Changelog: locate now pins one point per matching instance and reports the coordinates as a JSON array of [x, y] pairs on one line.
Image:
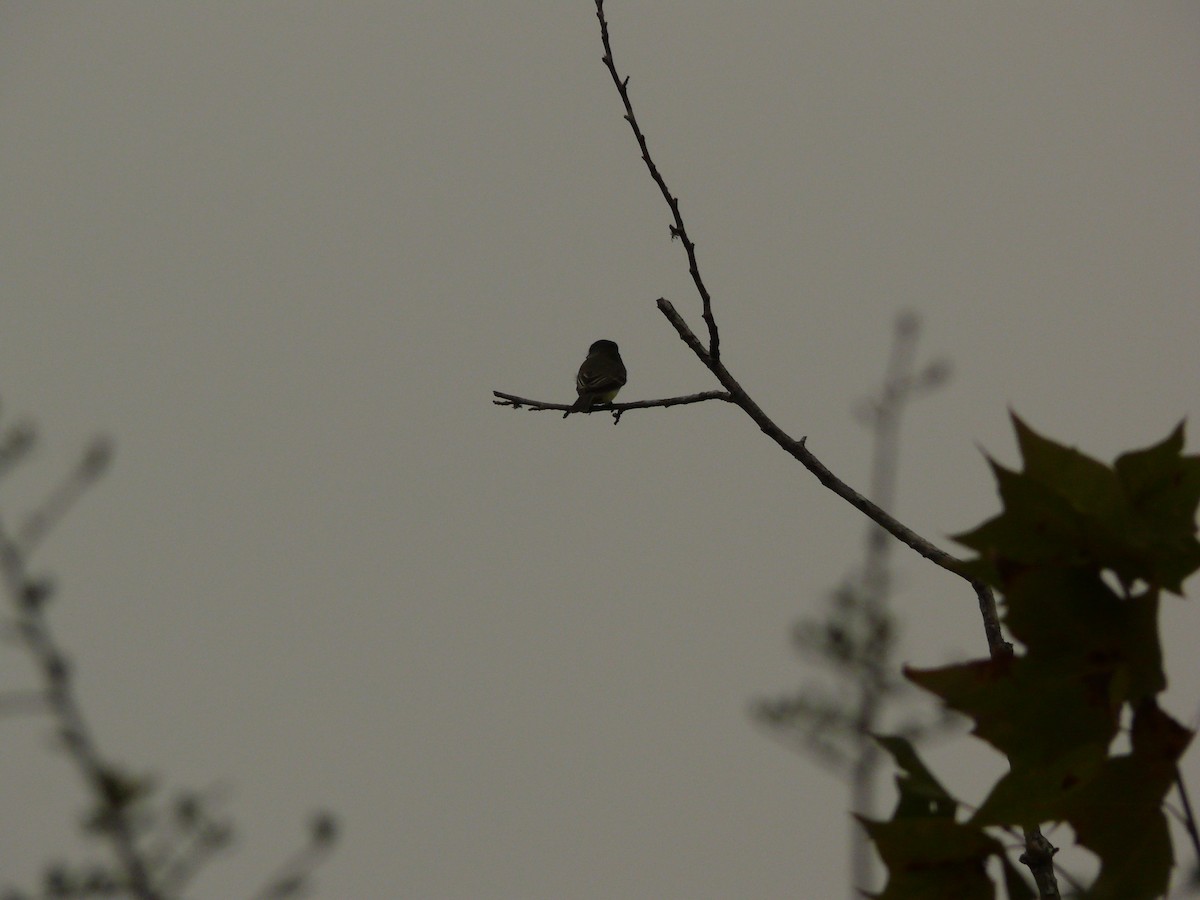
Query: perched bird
[[600, 377]]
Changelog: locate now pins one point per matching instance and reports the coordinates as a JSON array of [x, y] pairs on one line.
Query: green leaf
[[1160, 482], [1030, 794], [1087, 485], [1162, 490], [920, 793], [1089, 648], [1065, 613], [1029, 711], [1119, 815], [933, 859], [1136, 519]]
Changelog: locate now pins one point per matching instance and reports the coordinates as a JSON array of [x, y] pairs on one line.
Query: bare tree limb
[[678, 229], [797, 449], [29, 596], [15, 444], [618, 409], [711, 358], [739, 396]]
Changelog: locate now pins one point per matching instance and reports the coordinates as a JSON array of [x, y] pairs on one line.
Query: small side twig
[[292, 878], [190, 837], [15, 444], [29, 597]]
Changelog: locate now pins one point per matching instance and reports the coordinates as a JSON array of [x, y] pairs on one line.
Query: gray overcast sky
[[282, 253]]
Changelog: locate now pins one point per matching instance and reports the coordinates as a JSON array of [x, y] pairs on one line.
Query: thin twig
[[28, 597], [678, 229], [75, 732], [40, 522], [293, 876], [15, 445], [537, 405]]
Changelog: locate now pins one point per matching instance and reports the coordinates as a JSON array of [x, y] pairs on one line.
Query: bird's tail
[[583, 404]]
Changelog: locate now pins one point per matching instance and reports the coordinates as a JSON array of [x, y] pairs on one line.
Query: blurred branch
[[15, 445], [292, 878], [29, 596], [158, 848], [857, 635], [192, 836], [41, 521]]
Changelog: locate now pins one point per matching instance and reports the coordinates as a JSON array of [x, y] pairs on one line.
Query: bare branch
[[28, 598], [678, 229], [710, 356], [16, 444], [618, 409], [804, 456], [39, 523], [293, 877]]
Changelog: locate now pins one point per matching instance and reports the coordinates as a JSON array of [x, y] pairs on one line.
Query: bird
[[600, 377]]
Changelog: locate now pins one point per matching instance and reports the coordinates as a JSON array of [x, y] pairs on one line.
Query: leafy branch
[[1089, 651]]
